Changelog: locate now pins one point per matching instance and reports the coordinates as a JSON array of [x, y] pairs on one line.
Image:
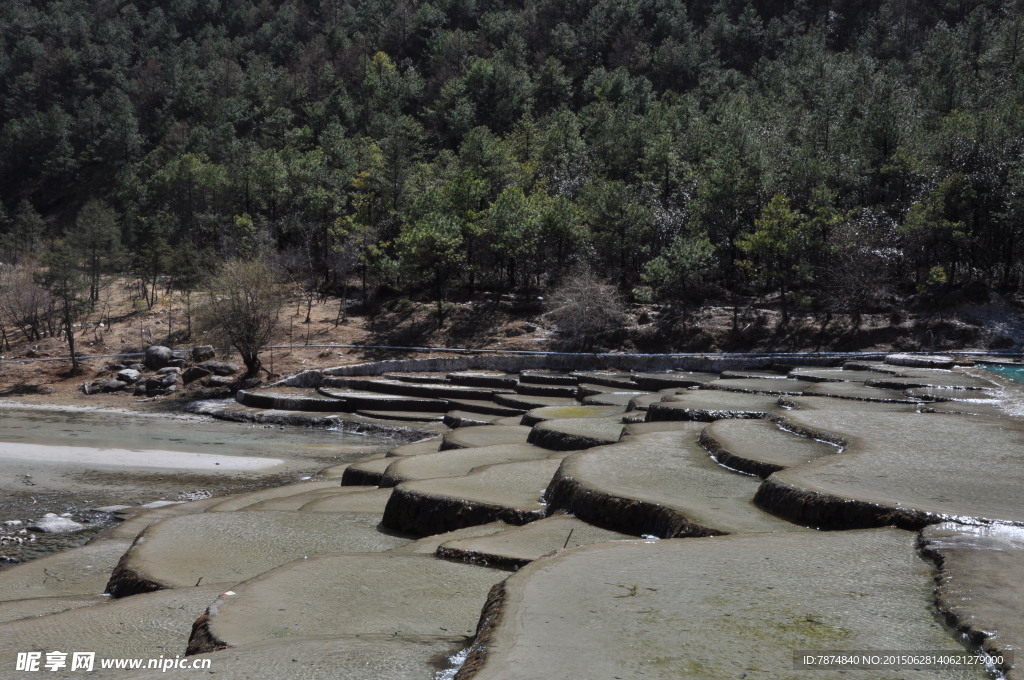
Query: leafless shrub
[[582, 306], [859, 281], [24, 304], [243, 308]]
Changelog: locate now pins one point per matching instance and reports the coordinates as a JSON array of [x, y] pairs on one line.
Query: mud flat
[[722, 607], [907, 469]]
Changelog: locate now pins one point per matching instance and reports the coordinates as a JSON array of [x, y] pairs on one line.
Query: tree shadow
[[24, 390]]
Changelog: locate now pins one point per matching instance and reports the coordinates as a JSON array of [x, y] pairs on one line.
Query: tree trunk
[[252, 364], [70, 334], [782, 305]]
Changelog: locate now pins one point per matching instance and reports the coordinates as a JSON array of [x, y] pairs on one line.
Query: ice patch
[[455, 662]]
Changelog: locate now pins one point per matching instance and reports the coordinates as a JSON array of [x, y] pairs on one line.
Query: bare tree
[[582, 306], [24, 304], [67, 287], [243, 308]]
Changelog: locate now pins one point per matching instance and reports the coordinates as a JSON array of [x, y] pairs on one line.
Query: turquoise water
[[1015, 373]]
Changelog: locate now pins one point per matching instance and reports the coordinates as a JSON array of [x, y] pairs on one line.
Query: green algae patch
[[711, 608]]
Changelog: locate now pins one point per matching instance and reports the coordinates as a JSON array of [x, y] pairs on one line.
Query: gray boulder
[[98, 386], [169, 369], [112, 385], [158, 356], [220, 367], [202, 353], [128, 375], [218, 381], [195, 373], [51, 523]]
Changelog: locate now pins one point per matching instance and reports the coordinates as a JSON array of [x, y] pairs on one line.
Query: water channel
[[72, 461]]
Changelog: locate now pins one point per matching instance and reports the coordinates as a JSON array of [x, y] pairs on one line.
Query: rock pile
[[163, 371]]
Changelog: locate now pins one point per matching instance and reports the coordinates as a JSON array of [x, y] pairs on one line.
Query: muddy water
[[71, 461]]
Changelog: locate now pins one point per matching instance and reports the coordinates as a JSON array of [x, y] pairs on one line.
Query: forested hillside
[[834, 153]]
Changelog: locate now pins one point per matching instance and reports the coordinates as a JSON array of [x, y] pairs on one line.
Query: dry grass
[[120, 324]]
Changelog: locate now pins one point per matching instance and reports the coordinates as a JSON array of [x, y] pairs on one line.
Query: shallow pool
[[1015, 373]]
